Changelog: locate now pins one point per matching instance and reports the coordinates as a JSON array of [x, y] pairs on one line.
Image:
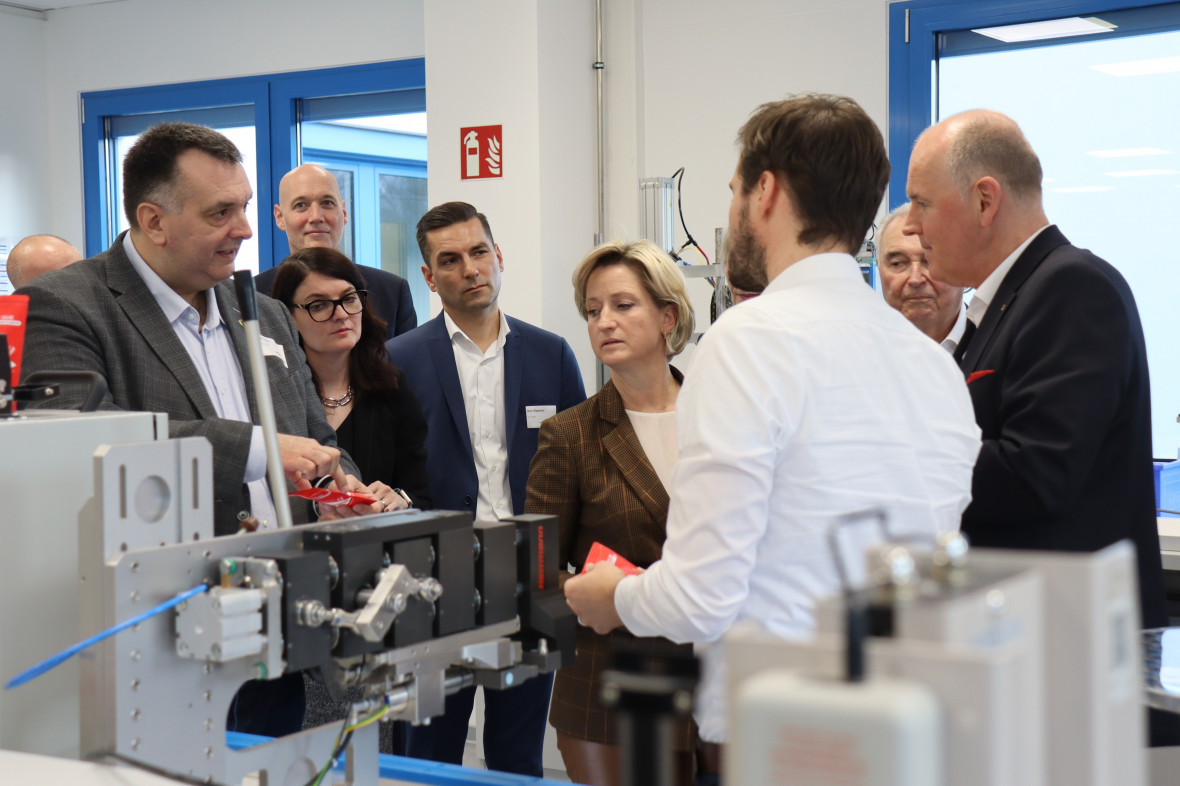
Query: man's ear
[[426, 274], [279, 219], [986, 195], [151, 222]]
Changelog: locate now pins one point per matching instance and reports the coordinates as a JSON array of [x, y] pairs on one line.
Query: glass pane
[[403, 201], [344, 179], [375, 145], [242, 136], [1099, 115]]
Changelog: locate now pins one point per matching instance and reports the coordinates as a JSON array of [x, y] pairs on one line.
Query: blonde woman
[[602, 468]]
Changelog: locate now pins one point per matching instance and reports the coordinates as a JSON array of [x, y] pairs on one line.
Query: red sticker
[[481, 152]]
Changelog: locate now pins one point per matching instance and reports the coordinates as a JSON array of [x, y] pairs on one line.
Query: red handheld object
[[600, 553], [334, 497]]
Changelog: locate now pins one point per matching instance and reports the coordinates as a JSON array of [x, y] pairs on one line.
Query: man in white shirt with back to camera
[[933, 307], [812, 401]]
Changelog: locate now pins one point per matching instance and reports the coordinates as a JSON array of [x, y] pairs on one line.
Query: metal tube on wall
[[599, 67]]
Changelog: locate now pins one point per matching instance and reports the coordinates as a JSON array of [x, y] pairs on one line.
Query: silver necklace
[[343, 401]]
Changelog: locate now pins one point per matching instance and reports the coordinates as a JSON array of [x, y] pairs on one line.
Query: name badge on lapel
[[272, 348], [535, 414]]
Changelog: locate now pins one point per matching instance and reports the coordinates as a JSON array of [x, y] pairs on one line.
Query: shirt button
[[486, 434], [494, 468]]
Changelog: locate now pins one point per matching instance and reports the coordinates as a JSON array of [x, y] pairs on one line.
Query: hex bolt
[[134, 654], [135, 714], [135, 744]]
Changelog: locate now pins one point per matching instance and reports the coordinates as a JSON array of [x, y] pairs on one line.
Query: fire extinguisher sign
[[481, 152]]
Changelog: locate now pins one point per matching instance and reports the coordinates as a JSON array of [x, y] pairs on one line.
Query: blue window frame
[[273, 101], [914, 34]]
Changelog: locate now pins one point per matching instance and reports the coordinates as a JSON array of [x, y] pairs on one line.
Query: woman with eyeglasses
[[376, 415]]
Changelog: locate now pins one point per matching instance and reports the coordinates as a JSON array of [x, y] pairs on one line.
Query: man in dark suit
[[486, 381], [156, 317], [312, 213], [1054, 355]]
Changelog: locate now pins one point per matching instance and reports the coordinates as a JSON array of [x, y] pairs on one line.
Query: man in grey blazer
[[156, 316]]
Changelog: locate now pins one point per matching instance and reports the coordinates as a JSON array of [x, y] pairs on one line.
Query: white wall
[[24, 151], [707, 65]]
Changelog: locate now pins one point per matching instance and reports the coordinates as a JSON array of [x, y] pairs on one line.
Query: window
[[1093, 107], [272, 119]]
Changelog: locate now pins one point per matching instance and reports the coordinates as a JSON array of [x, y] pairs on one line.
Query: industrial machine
[[978, 668], [407, 606]]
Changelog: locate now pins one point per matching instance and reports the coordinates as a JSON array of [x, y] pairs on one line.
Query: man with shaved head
[[38, 254], [1053, 355], [312, 213], [931, 306]]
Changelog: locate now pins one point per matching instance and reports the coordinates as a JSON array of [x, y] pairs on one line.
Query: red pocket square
[[977, 374]]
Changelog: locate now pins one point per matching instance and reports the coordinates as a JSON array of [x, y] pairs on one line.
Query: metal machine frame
[[410, 606]]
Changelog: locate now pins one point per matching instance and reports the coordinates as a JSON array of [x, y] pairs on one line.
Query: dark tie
[[961, 350]]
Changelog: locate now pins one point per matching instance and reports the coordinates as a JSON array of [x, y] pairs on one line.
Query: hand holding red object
[[334, 497], [600, 553]]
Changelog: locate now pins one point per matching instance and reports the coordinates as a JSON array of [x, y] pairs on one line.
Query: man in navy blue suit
[[486, 381], [1053, 354], [312, 213]]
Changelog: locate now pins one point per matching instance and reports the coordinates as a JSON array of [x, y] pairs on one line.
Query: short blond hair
[[660, 276]]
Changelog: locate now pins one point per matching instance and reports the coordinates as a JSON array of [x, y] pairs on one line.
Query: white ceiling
[[48, 5]]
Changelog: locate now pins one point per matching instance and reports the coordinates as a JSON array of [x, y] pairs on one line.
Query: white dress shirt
[[951, 342], [656, 432], [985, 293], [811, 401], [481, 376], [212, 352]]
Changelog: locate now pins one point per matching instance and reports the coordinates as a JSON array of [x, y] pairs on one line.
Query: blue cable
[[65, 655]]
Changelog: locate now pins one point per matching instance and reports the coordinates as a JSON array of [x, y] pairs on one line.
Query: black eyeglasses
[[322, 310]]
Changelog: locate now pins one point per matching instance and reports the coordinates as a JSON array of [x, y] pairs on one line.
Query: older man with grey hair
[[933, 307]]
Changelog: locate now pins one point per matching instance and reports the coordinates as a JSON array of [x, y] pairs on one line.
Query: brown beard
[[745, 257]]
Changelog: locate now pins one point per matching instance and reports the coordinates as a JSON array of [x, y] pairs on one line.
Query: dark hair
[[369, 369], [832, 157], [149, 170], [445, 215]]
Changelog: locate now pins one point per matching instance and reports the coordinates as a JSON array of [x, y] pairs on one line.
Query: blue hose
[[65, 655]]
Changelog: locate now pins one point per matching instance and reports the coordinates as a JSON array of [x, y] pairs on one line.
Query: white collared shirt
[[810, 402], [985, 293], [481, 376], [216, 362], [951, 342]]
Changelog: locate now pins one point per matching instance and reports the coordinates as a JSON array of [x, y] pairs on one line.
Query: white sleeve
[[732, 421]]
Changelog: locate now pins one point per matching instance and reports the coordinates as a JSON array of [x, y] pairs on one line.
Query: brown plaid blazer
[[591, 472]]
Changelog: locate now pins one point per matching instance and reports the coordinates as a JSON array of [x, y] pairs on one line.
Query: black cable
[[155, 769], [678, 176]]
